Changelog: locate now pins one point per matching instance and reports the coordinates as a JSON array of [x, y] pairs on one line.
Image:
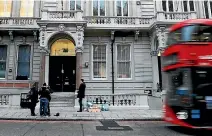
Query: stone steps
[[62, 99]]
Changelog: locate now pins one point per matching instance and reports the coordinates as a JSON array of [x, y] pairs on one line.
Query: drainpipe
[[116, 34], [112, 61]]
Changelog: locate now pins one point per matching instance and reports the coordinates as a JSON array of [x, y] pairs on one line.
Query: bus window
[[191, 33]]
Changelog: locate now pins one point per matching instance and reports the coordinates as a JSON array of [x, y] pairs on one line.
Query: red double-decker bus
[[187, 62]]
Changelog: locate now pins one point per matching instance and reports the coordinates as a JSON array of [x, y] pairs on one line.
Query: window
[[173, 6], [123, 61], [24, 55], [99, 61], [99, 8], [122, 7], [27, 8], [167, 6], [5, 8], [191, 33], [75, 5], [3, 60]]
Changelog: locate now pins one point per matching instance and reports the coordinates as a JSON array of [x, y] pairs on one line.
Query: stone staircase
[[62, 99]]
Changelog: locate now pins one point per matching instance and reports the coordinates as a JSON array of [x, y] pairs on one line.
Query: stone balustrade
[[98, 22], [73, 15], [18, 22], [137, 22], [117, 22], [120, 100], [173, 17], [4, 99]]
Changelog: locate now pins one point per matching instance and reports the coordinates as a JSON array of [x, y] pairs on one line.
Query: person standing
[[44, 95], [81, 93], [33, 97]]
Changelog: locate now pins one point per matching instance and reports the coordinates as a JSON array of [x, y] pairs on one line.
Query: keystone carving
[[61, 27]]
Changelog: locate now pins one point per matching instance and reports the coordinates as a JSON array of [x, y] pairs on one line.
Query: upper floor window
[[24, 57], [27, 8], [167, 5], [99, 61], [122, 7], [173, 6], [188, 5], [5, 8], [123, 61], [3, 60], [208, 8], [75, 5], [99, 8]]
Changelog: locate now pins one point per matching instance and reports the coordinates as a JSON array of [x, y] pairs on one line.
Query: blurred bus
[[187, 61]]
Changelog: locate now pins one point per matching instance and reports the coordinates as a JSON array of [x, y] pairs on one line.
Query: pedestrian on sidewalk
[[44, 95], [33, 97], [81, 93], [49, 98]]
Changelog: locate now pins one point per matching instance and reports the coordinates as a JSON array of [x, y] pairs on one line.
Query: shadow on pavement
[[188, 131]]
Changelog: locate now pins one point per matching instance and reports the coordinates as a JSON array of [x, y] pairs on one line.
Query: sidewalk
[[70, 114]]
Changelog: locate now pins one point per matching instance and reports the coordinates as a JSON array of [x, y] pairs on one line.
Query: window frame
[[75, 4], [6, 5], [6, 61], [27, 10], [122, 10], [131, 67], [99, 8], [92, 61], [174, 8], [31, 59], [198, 26], [188, 6], [209, 6]]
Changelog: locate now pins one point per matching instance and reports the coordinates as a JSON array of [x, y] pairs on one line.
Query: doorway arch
[[62, 65], [63, 47]]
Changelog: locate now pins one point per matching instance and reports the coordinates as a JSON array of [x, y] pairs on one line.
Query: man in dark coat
[[33, 96], [81, 93]]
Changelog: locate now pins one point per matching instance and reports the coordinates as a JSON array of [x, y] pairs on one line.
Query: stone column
[[79, 50], [161, 32]]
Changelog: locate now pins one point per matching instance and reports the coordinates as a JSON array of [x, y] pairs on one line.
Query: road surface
[[89, 128]]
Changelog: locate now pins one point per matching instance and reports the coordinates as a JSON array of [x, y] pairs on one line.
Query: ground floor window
[[24, 54], [99, 61], [3, 61], [123, 61]]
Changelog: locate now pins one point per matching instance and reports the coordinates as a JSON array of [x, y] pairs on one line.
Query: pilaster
[[79, 50], [161, 32]]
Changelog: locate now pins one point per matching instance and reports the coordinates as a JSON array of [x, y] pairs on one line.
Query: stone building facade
[[61, 41]]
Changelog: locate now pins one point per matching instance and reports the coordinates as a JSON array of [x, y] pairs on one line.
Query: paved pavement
[[89, 128], [71, 114]]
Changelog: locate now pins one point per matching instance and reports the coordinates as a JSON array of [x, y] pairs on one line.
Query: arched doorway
[[62, 66]]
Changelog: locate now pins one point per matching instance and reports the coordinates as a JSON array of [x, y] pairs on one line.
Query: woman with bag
[[33, 97]]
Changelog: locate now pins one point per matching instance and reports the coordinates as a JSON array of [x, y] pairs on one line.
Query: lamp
[[86, 64]]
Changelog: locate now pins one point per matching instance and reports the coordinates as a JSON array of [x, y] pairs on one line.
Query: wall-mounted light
[[86, 64]]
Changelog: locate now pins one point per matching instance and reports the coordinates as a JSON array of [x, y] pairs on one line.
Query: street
[[89, 128]]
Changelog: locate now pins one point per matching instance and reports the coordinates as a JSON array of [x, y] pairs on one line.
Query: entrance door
[[62, 77]]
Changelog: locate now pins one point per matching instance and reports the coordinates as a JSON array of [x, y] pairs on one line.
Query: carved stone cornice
[[79, 49], [61, 27], [136, 34], [161, 32], [80, 28], [112, 35], [35, 36], [11, 35], [42, 35], [24, 40]]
